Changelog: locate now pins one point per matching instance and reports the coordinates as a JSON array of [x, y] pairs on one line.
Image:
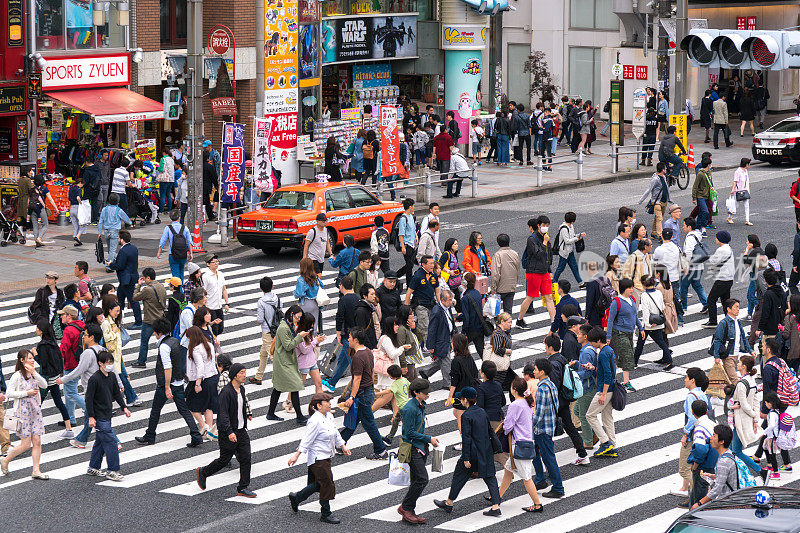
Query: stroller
[[10, 230], [140, 200]]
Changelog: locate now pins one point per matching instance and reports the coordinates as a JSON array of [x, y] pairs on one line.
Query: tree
[[542, 83]]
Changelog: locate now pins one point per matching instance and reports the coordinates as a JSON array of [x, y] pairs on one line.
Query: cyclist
[[666, 152]]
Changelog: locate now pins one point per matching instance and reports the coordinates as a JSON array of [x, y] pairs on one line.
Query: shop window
[[519, 85], [584, 73], [336, 200], [362, 198], [173, 16], [68, 24], [593, 14]]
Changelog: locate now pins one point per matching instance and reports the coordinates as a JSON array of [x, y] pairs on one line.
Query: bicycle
[[682, 178]]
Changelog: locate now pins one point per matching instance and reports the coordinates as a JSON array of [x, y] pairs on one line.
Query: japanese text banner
[[232, 161]]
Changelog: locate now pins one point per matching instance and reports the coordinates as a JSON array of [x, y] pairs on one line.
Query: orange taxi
[[291, 211]]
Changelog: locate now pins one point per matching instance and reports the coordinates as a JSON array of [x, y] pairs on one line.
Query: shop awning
[[111, 105]]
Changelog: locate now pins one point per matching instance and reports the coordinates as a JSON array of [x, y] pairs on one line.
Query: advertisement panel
[[372, 75], [367, 38], [680, 121], [145, 149], [309, 56], [262, 160], [463, 72], [390, 142], [80, 72], [232, 161], [282, 80], [463, 37]]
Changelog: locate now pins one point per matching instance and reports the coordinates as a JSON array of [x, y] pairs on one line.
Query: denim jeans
[[648, 145], [502, 149], [545, 453], [165, 196], [86, 431], [179, 397], [176, 267], [752, 299], [147, 332], [693, 279], [130, 394], [573, 265], [105, 445], [736, 448], [111, 242], [342, 364], [420, 156], [676, 162], [457, 183], [702, 213], [537, 143], [72, 398], [364, 415]]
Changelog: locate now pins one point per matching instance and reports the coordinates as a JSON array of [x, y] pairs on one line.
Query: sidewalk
[[24, 266]]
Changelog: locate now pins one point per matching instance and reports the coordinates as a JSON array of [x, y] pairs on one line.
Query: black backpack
[[277, 316], [180, 247], [80, 346]]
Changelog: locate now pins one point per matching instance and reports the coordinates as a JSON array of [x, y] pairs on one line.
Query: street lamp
[[38, 59], [138, 55]]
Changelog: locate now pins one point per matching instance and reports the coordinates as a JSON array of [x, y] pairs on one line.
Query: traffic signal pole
[[681, 31], [194, 118]]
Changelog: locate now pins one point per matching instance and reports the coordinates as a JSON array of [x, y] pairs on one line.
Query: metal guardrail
[[576, 158], [225, 216], [423, 184], [621, 151]]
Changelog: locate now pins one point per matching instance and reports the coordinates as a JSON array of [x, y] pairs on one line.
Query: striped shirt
[[544, 418]]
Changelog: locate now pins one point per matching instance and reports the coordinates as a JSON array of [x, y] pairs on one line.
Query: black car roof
[[737, 512]]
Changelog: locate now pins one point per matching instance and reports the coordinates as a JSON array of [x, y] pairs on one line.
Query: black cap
[[420, 385], [322, 217], [390, 274]]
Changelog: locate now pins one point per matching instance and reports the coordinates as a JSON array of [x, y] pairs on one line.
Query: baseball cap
[[206, 144], [69, 310], [390, 274], [175, 282], [211, 257], [467, 392], [51, 274], [575, 320]]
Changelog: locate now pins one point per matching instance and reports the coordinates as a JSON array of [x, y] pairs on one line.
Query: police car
[[780, 143]]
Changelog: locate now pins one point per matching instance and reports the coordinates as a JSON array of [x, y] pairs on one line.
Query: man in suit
[[126, 263], [441, 327]]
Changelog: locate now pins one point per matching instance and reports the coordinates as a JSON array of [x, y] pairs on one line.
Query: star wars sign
[[232, 161], [365, 38]]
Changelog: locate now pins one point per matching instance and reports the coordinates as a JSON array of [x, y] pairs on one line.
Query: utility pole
[[194, 118], [681, 31]]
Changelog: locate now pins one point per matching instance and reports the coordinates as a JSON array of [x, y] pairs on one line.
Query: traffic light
[[698, 45], [730, 49], [172, 103], [766, 49]]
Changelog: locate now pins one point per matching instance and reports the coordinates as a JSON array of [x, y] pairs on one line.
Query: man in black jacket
[[794, 277], [388, 294], [552, 345], [91, 187], [363, 315], [570, 347], [536, 260], [345, 312], [169, 369], [773, 305], [233, 437]]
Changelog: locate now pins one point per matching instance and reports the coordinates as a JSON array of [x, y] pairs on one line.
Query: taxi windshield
[[290, 200]]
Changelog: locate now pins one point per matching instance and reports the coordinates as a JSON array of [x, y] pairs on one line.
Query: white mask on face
[[109, 368], [633, 222], [544, 229]]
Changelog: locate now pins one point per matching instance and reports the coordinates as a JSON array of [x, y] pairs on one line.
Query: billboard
[[365, 38]]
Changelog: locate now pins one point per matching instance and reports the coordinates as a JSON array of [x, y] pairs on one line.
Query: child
[[702, 457], [379, 243], [729, 403], [419, 141], [307, 354], [695, 381], [476, 137], [780, 435], [399, 392]]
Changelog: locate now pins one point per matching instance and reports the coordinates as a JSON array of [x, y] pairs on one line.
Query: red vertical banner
[[751, 23], [741, 23], [390, 142]]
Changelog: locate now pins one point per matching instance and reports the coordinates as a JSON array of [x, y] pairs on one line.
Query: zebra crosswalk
[[628, 494]]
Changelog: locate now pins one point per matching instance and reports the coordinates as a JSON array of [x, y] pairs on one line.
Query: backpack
[[787, 383], [368, 151], [382, 238], [80, 346], [277, 316], [744, 478], [180, 248], [607, 293], [608, 309], [94, 291], [176, 330], [787, 434], [554, 128], [394, 239], [571, 384], [557, 241]]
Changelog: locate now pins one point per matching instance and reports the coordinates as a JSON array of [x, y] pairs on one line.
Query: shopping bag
[[84, 213], [437, 458], [717, 380], [327, 362], [351, 418], [399, 473], [322, 297], [730, 204], [556, 296], [714, 203], [482, 284], [493, 306]]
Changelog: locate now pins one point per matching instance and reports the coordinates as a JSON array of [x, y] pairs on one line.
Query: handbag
[[741, 196], [497, 446], [659, 319], [502, 362], [381, 361], [10, 421], [124, 337], [84, 213], [399, 472], [322, 297], [486, 327], [98, 251], [404, 449], [524, 449], [437, 458], [580, 245], [650, 207]]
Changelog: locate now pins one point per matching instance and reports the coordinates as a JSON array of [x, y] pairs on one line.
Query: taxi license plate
[[265, 225], [769, 151]]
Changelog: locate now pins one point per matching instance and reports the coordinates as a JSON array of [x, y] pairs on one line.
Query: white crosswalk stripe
[[647, 433]]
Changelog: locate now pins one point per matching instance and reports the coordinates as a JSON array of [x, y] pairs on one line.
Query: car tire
[[331, 238], [271, 250]]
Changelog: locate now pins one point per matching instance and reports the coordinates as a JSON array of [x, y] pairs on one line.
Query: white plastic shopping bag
[[84, 213], [399, 473], [493, 306], [730, 204]]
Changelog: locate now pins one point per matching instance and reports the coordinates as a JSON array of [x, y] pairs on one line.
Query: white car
[[780, 143]]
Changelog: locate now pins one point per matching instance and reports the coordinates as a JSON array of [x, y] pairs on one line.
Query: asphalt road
[[605, 496]]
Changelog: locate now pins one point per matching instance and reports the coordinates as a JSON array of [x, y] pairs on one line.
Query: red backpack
[[619, 306], [787, 383]]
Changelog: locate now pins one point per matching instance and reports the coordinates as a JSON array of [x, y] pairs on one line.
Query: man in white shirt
[[723, 263], [317, 243], [216, 293], [169, 370], [693, 274], [197, 299], [460, 169], [669, 255], [433, 214]]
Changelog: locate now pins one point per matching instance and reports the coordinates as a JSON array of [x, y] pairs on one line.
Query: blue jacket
[[126, 263], [472, 320], [626, 319], [726, 328], [414, 424], [346, 260], [588, 377], [111, 219], [558, 325], [303, 291], [439, 333], [606, 368], [694, 394]]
